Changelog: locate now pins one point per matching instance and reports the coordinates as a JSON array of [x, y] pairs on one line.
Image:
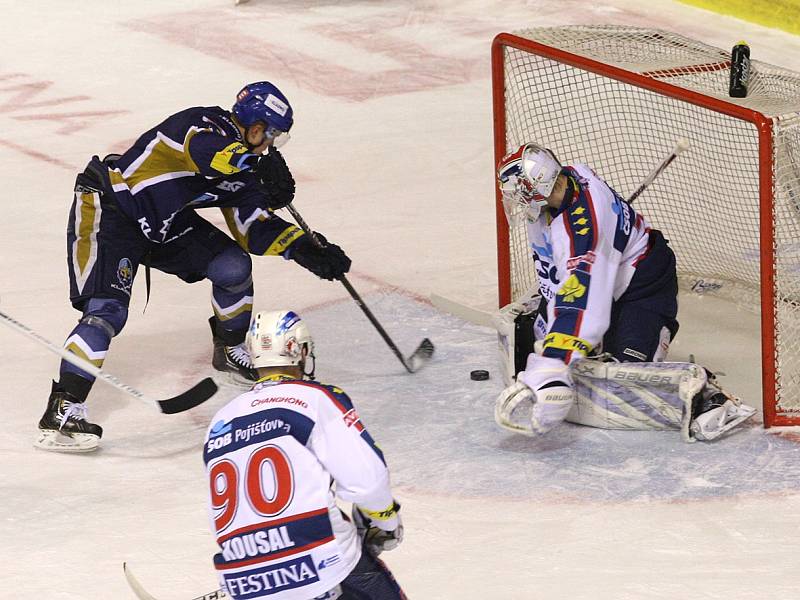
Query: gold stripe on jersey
[[87, 223], [241, 231], [234, 310], [236, 313], [284, 240], [224, 159], [240, 234], [73, 348], [162, 159], [562, 341]]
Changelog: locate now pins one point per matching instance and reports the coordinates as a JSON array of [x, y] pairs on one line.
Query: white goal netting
[[605, 104]]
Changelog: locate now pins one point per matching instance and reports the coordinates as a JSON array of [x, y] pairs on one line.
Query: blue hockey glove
[[328, 262]]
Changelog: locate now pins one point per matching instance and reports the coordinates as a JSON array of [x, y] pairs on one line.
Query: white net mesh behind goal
[[708, 202]]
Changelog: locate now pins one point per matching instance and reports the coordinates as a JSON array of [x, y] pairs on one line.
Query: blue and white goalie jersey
[[271, 455], [586, 254]]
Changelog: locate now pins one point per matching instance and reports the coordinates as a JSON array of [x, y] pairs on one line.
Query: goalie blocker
[[615, 395]]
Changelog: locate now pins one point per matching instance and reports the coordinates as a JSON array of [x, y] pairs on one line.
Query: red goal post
[[618, 98]]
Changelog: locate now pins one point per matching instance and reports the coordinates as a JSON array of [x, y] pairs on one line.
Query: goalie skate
[[713, 423]]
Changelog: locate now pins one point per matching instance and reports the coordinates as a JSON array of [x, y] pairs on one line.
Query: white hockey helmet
[[279, 338], [526, 178]]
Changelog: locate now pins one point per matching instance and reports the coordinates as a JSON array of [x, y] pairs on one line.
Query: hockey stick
[[424, 351], [462, 311], [680, 146], [142, 594], [198, 394]]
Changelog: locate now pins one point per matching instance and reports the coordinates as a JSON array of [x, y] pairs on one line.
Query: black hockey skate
[[64, 426], [232, 358]]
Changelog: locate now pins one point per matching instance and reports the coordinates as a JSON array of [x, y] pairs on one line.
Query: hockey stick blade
[[420, 357], [192, 397], [142, 594], [189, 399], [137, 588]]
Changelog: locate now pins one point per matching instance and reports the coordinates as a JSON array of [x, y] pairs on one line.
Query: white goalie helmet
[[279, 338], [526, 178]]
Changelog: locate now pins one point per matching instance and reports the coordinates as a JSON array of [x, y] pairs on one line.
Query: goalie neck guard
[[280, 339]]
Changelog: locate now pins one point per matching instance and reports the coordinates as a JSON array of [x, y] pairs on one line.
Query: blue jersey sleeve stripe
[[345, 405]]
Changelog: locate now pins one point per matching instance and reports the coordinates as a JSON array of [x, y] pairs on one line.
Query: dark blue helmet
[[262, 101]]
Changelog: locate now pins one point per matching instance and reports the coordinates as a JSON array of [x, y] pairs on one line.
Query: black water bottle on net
[[740, 70]]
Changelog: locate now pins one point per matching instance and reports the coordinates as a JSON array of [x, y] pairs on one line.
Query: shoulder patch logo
[[351, 417], [572, 289]]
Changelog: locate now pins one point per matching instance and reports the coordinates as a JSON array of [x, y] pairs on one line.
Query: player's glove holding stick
[[276, 179], [380, 530], [327, 260]]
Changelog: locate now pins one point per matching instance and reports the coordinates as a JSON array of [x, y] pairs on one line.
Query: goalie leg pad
[[518, 326], [640, 396]]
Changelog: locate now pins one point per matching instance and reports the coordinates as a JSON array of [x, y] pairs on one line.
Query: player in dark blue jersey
[[137, 209]]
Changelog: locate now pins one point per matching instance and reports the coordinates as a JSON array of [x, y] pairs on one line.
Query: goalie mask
[[526, 178], [280, 339]]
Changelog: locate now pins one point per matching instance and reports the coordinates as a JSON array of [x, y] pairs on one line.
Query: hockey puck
[[479, 375]]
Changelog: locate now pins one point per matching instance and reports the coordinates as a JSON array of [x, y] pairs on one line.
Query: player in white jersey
[[606, 284], [272, 455]]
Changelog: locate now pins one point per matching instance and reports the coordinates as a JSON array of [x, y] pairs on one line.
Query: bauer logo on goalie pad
[[648, 379]]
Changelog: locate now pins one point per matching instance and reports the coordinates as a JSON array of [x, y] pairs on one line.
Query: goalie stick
[[680, 146], [142, 594], [192, 397], [462, 311], [484, 319], [420, 357]]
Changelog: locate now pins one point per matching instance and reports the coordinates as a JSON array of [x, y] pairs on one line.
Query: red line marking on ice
[[227, 38], [36, 154]]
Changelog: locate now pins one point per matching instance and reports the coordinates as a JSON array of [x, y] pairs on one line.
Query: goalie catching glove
[[276, 180], [539, 400], [379, 530], [327, 261]]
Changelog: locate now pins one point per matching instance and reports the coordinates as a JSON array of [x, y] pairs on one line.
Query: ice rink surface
[[392, 151]]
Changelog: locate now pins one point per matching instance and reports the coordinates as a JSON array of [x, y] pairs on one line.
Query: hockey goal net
[[618, 98]]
